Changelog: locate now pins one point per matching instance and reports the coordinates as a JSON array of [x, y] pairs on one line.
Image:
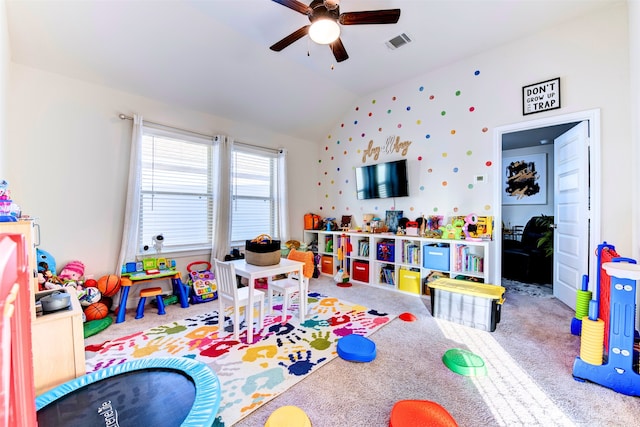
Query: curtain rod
[[211, 137]]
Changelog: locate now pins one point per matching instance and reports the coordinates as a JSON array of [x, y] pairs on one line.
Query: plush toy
[[45, 261], [72, 271]]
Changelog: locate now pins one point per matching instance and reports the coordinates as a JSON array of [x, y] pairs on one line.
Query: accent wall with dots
[[440, 127]]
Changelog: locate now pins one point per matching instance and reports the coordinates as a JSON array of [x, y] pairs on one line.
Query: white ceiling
[[213, 56]]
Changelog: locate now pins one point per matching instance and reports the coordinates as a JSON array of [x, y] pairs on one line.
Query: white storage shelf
[[403, 263]]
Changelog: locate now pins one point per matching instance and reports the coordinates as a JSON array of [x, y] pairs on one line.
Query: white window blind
[[176, 194], [254, 209]]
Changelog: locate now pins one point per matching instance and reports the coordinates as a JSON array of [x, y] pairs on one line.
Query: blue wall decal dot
[[421, 88], [455, 170], [427, 136], [338, 142], [355, 122], [470, 186], [338, 169], [408, 108], [422, 188], [476, 73]]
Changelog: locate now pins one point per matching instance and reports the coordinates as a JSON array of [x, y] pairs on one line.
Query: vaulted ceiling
[[213, 56]]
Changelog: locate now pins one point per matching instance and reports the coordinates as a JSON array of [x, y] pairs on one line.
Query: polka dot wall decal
[[338, 142], [357, 108], [487, 207], [457, 93], [362, 135], [418, 122], [470, 186], [427, 136], [342, 125], [338, 169], [355, 122], [345, 152], [469, 152], [320, 161], [332, 157], [422, 188], [435, 209], [419, 158], [421, 88], [476, 73], [326, 172], [326, 148], [340, 192], [370, 114], [485, 129], [358, 151], [488, 163], [444, 154], [443, 113], [408, 108], [453, 131], [455, 170], [399, 125], [389, 111], [455, 209], [379, 129], [326, 196], [431, 97], [319, 184], [429, 170], [350, 139], [393, 98], [411, 208], [444, 183], [373, 101], [472, 109]]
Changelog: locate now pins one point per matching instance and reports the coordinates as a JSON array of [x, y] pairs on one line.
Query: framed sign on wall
[[543, 96]]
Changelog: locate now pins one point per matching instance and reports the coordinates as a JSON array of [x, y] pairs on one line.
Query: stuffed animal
[[72, 271], [45, 261]]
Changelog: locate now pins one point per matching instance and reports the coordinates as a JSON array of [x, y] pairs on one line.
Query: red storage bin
[[326, 264], [360, 271]]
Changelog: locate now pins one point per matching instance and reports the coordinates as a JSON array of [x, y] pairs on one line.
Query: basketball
[[109, 285], [96, 311]]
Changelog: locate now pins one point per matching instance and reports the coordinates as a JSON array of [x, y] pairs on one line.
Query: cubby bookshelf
[[403, 263]]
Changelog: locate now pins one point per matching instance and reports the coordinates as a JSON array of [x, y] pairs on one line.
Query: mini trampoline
[[154, 392]]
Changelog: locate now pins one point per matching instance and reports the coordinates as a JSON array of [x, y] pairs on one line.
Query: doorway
[[515, 136]]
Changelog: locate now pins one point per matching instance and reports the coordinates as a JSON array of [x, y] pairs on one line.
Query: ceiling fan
[[324, 29]]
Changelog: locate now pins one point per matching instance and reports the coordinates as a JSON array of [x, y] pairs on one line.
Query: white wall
[[69, 161], [591, 57], [4, 83]]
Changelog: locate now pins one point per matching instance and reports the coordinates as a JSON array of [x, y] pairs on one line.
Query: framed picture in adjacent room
[[524, 180]]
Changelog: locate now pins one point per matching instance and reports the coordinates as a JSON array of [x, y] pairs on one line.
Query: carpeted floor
[[250, 375], [529, 358]]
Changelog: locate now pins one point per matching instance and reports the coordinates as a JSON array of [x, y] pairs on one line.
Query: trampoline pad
[[134, 394]]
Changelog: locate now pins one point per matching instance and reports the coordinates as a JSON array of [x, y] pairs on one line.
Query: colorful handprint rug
[[250, 375]]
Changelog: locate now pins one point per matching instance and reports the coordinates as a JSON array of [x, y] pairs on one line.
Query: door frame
[[593, 117]]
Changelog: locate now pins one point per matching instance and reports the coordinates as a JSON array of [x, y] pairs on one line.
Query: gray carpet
[[529, 359]]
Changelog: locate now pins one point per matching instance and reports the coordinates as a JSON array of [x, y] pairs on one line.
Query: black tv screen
[[382, 180]]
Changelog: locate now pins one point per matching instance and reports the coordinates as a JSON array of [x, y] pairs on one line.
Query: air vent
[[398, 41]]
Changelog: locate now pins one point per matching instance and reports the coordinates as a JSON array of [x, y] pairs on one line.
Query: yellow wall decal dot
[[453, 131], [444, 154]]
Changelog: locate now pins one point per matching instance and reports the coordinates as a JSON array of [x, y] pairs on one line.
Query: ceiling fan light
[[324, 31]]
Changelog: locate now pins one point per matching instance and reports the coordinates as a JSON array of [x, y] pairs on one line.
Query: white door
[[571, 237]]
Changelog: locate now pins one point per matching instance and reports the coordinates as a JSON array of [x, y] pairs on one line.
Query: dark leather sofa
[[523, 260]]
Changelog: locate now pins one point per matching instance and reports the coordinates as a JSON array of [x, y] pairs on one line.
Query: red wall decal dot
[[489, 163], [393, 98], [370, 114], [472, 109], [485, 129], [432, 97], [399, 125], [455, 209], [357, 108], [419, 158]]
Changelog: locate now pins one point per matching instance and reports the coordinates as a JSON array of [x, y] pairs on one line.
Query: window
[[254, 199], [177, 194]]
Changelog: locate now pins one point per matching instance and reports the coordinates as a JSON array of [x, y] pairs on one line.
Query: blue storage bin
[[436, 257]]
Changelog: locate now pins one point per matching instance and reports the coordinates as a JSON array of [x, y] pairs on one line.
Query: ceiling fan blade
[[295, 5], [295, 36], [388, 16], [338, 50]]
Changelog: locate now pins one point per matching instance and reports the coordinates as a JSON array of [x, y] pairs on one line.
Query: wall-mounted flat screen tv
[[382, 180]]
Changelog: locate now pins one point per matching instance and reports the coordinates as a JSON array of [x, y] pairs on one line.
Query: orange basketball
[[109, 285], [96, 311]]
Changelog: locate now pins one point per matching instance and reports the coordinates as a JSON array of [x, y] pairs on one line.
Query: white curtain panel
[[223, 147], [129, 245], [283, 202]]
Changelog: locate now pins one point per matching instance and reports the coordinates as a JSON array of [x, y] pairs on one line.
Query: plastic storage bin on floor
[[420, 413], [468, 303], [356, 348]]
